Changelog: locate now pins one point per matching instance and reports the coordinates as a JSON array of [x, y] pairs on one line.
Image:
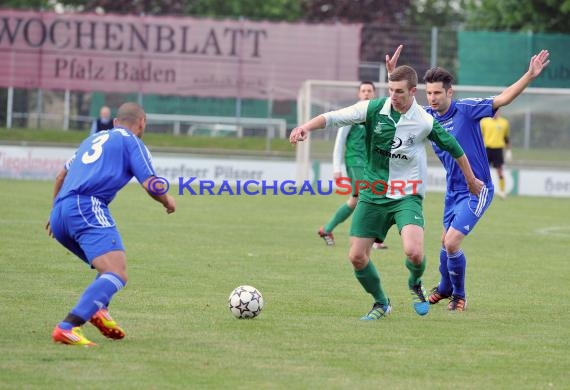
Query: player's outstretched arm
[[342, 117], [338, 150], [59, 181], [56, 187], [301, 133], [475, 185], [167, 201], [537, 63]]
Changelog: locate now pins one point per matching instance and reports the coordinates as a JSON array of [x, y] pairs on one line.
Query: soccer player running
[[462, 210], [397, 129], [80, 219], [349, 144]]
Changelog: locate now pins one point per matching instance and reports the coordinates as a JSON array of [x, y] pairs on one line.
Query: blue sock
[[456, 265], [65, 325], [444, 288], [97, 295]]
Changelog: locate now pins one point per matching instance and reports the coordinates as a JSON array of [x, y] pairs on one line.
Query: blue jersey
[[104, 163], [462, 121]]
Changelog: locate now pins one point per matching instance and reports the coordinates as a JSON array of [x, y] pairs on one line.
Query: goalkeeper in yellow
[[496, 137]]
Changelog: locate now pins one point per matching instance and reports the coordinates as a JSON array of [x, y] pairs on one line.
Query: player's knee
[[358, 259], [123, 275], [114, 262], [451, 246], [120, 273], [415, 255], [352, 202]]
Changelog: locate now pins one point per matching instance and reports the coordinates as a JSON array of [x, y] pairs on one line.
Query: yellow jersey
[[495, 132]]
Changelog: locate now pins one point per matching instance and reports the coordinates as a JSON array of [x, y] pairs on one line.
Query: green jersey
[[350, 146], [355, 155], [395, 145]]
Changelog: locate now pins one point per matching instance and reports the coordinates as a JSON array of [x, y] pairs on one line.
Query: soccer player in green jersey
[[350, 145], [397, 130]]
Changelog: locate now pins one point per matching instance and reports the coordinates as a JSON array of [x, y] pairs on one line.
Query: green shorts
[[354, 173], [373, 220]]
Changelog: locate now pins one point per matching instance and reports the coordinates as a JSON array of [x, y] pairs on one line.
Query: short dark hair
[[437, 74], [129, 113], [367, 82], [406, 73]]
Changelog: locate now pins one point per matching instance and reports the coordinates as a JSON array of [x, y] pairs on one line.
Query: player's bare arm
[[167, 201], [475, 185], [537, 63], [56, 187], [300, 133], [392, 62], [59, 181]]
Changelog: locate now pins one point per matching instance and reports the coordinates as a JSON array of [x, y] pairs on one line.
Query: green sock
[[416, 272], [369, 278], [341, 214]]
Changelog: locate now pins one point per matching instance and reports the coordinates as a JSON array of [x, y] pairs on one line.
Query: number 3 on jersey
[[96, 149]]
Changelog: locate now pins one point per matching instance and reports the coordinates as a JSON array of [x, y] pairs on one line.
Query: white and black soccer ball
[[245, 302]]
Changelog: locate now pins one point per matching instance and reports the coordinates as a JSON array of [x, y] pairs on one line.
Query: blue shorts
[[84, 225], [463, 210]]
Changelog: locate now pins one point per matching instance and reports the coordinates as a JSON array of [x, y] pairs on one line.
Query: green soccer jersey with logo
[[395, 146]]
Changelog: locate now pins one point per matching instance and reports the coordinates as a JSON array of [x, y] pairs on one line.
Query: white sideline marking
[[555, 231]]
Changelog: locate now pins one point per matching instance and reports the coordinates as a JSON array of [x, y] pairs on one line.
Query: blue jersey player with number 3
[[462, 210], [80, 219]]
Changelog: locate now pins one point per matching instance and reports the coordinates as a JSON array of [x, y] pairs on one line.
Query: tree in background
[[279, 10], [447, 16], [30, 4], [548, 16], [385, 25]]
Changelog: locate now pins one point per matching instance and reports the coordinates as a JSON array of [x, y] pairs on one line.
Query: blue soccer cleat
[[378, 311]]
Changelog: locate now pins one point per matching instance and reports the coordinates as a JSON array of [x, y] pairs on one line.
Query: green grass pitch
[[182, 267]]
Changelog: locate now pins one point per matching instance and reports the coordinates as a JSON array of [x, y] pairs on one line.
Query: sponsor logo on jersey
[[396, 143], [387, 153]]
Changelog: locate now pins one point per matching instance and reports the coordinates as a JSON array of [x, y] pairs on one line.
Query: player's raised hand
[[391, 63], [298, 134], [538, 62]]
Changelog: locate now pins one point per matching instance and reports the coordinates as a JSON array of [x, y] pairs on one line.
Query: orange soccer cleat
[[106, 325], [71, 337]]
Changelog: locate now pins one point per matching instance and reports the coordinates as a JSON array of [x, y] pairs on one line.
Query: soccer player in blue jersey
[[463, 210], [80, 219]]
